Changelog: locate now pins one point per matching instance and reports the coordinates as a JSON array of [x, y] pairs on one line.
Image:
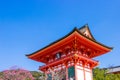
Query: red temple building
[[71, 57]]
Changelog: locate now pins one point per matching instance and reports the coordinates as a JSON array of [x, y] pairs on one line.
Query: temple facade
[[71, 57]]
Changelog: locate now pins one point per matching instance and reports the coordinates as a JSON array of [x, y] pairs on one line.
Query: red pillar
[[66, 72]]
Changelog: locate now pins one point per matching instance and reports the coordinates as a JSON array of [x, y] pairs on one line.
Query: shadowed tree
[[38, 75]]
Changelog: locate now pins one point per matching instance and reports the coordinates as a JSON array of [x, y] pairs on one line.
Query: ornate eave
[[73, 59]]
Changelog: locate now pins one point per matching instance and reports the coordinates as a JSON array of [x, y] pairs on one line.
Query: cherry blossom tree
[[16, 74]]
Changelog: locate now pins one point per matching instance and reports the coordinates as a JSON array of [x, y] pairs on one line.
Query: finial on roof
[[86, 31], [86, 25]]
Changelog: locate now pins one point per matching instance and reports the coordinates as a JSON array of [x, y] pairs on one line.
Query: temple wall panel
[[87, 69], [88, 74], [79, 73], [83, 73]]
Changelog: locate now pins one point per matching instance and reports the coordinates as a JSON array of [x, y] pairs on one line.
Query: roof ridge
[[84, 26]]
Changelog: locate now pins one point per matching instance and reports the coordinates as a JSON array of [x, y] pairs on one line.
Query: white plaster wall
[[79, 73], [86, 69], [88, 74]]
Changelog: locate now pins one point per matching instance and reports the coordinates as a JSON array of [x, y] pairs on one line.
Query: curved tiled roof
[[81, 32]]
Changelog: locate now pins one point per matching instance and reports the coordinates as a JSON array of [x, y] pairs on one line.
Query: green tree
[[1, 75], [102, 74], [99, 74], [38, 75]]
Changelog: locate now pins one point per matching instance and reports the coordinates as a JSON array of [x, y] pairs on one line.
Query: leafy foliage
[[38, 75], [101, 74], [1, 75]]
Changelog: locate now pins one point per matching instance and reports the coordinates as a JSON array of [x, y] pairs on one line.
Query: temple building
[[113, 70], [71, 57]]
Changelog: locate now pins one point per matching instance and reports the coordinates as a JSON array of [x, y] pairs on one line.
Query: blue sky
[[28, 25]]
